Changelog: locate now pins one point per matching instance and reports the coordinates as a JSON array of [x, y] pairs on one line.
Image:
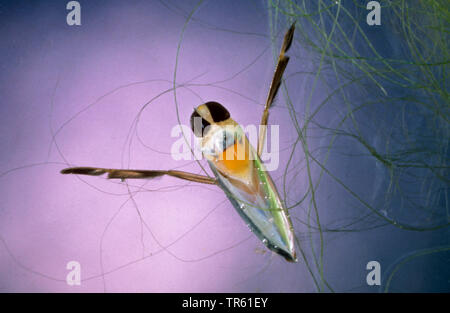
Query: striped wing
[[255, 198]]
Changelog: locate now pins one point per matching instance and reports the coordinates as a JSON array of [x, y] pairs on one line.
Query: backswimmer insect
[[236, 165]]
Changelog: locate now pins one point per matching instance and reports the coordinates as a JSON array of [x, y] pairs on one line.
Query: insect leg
[[275, 85], [138, 174]]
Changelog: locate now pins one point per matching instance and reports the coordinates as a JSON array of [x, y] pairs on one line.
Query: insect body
[[237, 168], [243, 177]]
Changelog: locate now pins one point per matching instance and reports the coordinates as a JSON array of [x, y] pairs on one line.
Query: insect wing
[[258, 203]]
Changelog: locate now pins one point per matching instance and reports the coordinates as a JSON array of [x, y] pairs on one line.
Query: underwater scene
[[356, 148]]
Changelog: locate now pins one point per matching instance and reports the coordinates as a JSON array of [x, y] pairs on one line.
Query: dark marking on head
[[199, 124], [217, 111]]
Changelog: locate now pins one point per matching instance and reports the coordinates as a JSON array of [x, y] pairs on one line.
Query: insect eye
[[217, 111], [198, 124]]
